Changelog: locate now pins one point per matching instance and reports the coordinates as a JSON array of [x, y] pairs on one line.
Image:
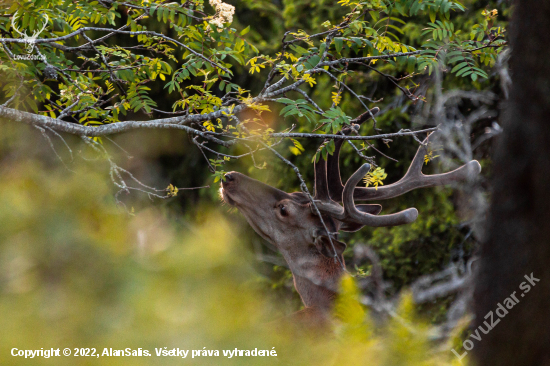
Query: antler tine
[[414, 178], [335, 186], [328, 185], [352, 214], [321, 188], [334, 182]]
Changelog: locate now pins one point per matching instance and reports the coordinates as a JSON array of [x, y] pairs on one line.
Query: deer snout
[[228, 180]]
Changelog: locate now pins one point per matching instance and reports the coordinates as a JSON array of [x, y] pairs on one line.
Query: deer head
[[289, 222], [29, 40]]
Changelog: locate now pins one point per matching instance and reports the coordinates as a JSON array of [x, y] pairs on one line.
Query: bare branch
[[352, 137]]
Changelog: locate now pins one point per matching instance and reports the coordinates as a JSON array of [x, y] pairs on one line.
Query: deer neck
[[316, 277]]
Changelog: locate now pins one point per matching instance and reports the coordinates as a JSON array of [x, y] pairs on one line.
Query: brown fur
[[316, 276]]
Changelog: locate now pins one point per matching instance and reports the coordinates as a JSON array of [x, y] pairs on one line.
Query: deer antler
[[414, 178], [329, 189]]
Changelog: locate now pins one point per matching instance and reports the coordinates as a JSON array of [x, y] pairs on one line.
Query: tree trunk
[[518, 236]]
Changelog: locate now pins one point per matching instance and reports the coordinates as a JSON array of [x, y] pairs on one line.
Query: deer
[[310, 246]]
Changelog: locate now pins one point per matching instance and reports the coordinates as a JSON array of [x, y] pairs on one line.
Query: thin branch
[[62, 140], [112, 76], [381, 153], [65, 112], [210, 167], [319, 110], [405, 91], [133, 6], [351, 137], [369, 58], [354, 94], [43, 132]]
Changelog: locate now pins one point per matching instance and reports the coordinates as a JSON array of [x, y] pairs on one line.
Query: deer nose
[[229, 178]]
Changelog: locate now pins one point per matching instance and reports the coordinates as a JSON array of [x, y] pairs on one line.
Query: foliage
[[118, 73], [298, 108], [102, 83], [375, 177], [335, 119]]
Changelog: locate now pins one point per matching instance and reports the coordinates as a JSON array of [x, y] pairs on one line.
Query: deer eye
[[283, 210]]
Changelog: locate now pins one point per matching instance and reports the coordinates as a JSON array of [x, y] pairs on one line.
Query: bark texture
[[518, 237]]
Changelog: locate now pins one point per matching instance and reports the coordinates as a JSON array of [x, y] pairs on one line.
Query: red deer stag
[[288, 221]]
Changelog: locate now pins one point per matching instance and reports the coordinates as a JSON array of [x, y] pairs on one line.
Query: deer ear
[[370, 209], [322, 243]]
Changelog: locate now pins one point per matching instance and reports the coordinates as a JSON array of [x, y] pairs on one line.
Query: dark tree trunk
[[518, 237]]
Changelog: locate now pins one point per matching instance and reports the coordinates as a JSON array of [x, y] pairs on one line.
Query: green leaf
[[314, 60], [339, 44], [396, 28], [459, 66], [455, 59], [374, 15], [331, 147], [464, 71], [432, 15], [415, 7], [285, 100], [245, 31], [287, 109]]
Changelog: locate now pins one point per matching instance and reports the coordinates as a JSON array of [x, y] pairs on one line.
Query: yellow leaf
[[336, 98], [375, 177]]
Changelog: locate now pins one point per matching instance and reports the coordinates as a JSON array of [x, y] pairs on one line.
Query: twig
[[43, 132], [352, 137]]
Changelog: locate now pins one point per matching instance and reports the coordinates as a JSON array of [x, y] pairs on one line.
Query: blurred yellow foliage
[[76, 271]]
